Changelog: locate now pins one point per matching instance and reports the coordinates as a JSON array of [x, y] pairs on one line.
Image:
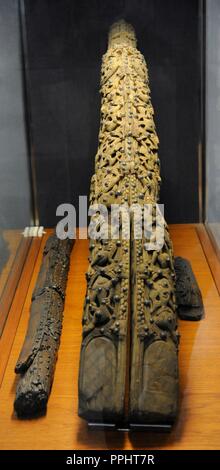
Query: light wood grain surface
[[198, 425]]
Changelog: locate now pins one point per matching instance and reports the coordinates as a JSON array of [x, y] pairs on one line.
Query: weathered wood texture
[[38, 356], [188, 295]]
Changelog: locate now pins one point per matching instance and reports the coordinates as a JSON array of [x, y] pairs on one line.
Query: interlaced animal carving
[[125, 278]]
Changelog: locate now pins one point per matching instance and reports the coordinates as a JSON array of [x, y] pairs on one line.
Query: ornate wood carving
[[36, 363], [127, 170]]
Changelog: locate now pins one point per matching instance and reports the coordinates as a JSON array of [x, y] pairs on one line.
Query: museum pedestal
[[197, 426]]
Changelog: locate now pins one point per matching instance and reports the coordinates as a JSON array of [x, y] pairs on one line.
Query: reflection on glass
[[15, 211], [213, 118]]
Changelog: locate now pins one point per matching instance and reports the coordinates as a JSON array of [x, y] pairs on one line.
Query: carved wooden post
[[123, 272]]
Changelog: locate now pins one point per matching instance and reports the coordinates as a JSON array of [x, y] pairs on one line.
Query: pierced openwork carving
[[124, 274]]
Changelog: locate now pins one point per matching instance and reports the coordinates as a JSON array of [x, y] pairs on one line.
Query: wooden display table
[[198, 425]]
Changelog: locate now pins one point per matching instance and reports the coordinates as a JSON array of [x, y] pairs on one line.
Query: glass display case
[[15, 179], [212, 123], [50, 68]]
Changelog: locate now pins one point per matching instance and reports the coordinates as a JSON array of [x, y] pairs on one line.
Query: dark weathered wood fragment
[[37, 359], [188, 295]]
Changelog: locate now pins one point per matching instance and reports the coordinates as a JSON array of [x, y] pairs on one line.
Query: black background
[[65, 43]]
